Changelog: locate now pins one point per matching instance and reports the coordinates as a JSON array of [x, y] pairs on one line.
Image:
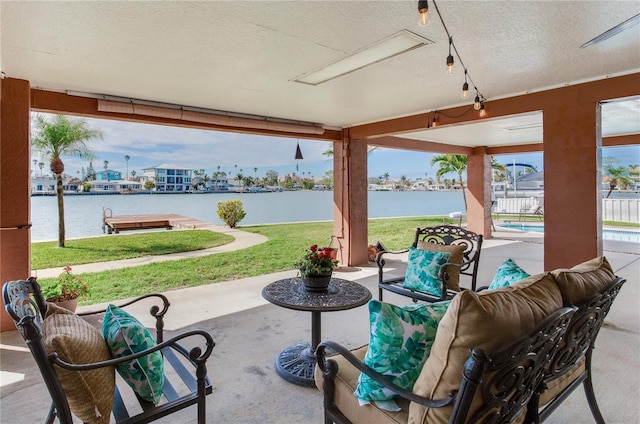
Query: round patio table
[[296, 363]]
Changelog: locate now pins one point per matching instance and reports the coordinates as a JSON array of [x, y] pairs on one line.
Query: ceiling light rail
[[114, 104], [424, 19]]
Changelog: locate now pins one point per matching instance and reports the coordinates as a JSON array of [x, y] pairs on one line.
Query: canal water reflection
[[83, 213]]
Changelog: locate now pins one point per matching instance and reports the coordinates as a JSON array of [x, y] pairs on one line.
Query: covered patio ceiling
[[243, 57]]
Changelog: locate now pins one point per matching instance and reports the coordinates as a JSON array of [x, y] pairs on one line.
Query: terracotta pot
[[69, 304], [317, 283]]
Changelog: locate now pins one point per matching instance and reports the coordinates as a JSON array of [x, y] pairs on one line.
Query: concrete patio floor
[[250, 332]]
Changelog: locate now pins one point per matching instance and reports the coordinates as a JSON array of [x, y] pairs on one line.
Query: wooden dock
[[114, 224]]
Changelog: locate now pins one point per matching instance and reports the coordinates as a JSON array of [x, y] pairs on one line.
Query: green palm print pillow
[[508, 273], [423, 269], [126, 335], [400, 341]]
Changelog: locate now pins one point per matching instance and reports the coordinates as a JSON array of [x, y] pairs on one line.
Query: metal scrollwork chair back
[[448, 235]]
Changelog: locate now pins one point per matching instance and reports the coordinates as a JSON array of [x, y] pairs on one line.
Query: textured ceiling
[[242, 56]]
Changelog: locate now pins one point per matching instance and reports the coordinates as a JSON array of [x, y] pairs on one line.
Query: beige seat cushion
[[346, 381], [488, 320], [559, 384], [89, 393], [584, 280], [457, 257]]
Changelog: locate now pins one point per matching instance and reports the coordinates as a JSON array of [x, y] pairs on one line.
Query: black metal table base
[[296, 364]]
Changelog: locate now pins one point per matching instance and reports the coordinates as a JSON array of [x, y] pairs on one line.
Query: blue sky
[[149, 145]]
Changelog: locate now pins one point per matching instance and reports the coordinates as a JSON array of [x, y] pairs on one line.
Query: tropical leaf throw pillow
[[126, 335], [508, 273], [400, 341], [423, 268]]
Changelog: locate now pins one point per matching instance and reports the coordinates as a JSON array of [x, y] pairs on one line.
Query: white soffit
[[517, 129], [619, 117]]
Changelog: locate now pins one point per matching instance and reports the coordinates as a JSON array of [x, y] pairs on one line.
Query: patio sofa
[[498, 327]]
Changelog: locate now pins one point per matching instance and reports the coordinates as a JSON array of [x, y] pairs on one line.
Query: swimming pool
[[614, 234]]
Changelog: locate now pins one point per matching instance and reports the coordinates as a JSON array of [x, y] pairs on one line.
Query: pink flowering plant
[[67, 287], [317, 260]]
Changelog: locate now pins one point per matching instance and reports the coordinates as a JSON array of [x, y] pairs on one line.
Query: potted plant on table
[[66, 290], [316, 267]]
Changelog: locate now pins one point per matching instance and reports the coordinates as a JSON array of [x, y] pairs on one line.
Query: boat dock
[[114, 224]]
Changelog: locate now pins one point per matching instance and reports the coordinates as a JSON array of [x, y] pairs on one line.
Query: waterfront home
[[43, 185], [218, 184], [168, 178], [115, 186], [72, 184], [108, 175], [46, 185]]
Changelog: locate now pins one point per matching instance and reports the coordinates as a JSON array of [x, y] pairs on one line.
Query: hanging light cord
[[455, 49], [432, 116]]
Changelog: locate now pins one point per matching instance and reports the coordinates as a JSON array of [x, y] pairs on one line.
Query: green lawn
[[287, 243], [111, 248]]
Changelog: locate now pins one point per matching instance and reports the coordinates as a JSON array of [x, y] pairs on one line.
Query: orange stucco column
[[15, 203], [572, 182], [479, 192], [350, 200]]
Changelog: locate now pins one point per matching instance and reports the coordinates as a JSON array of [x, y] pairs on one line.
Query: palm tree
[[40, 165], [126, 158], [62, 136], [133, 175], [240, 177], [617, 175], [106, 164], [452, 163]]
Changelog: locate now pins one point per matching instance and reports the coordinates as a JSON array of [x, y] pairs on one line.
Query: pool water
[[607, 233]]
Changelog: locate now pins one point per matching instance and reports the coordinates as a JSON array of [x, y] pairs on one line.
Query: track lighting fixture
[[483, 112], [425, 17], [450, 58]]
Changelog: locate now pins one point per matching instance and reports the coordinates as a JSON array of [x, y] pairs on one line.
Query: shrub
[[231, 212]]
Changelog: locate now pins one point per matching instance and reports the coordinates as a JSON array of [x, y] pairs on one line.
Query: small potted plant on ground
[[316, 267], [66, 291]]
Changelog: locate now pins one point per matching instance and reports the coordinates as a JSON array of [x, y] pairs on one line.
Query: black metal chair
[[492, 374], [25, 304], [443, 235], [577, 346]]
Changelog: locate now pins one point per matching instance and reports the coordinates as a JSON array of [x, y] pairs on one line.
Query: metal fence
[[621, 210]]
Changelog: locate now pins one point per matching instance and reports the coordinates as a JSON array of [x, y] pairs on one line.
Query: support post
[[572, 181], [350, 200], [15, 181], [479, 192]]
